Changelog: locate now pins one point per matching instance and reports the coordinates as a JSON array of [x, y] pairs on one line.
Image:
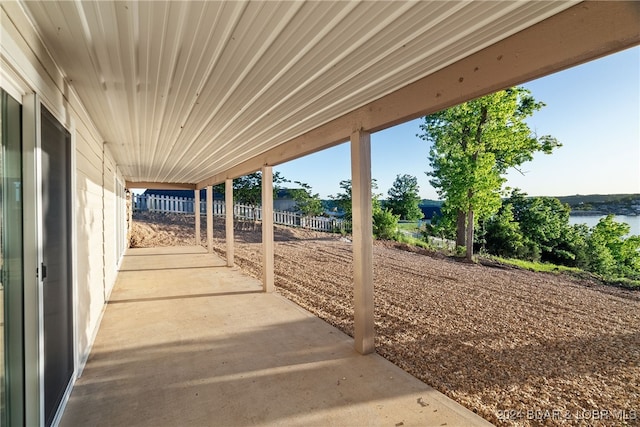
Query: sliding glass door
[[56, 267], [11, 265]]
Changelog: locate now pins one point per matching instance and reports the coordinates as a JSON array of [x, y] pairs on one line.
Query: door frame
[[32, 219], [14, 310]]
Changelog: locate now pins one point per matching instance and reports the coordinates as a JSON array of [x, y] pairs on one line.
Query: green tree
[[537, 228], [544, 223], [610, 253], [385, 223], [247, 190], [403, 198], [474, 144], [307, 203], [343, 200], [442, 224], [573, 246], [502, 233]]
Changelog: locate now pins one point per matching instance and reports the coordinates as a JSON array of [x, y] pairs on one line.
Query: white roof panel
[[185, 90]]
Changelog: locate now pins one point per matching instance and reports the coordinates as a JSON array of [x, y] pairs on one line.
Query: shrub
[[385, 224], [502, 234]]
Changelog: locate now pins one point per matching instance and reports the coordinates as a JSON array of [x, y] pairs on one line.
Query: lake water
[[633, 221]]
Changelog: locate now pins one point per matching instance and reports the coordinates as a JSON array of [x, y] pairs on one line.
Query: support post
[[267, 230], [362, 242], [196, 210], [210, 219], [228, 202]]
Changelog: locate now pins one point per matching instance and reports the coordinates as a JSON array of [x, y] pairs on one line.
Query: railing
[[183, 205]]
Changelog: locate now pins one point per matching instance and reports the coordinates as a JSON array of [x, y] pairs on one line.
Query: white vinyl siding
[[24, 56]]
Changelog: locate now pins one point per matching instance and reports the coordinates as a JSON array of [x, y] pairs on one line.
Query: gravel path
[[501, 341]]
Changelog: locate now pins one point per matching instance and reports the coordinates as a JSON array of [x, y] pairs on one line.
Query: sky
[[592, 109]]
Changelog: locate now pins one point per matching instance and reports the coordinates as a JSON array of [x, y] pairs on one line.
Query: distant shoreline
[[601, 213]]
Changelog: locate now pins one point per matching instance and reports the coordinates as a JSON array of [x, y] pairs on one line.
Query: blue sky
[[593, 109]]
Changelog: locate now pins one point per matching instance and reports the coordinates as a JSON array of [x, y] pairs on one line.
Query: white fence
[[153, 203]]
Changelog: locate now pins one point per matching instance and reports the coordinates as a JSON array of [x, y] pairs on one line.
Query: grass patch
[[411, 227], [623, 282], [541, 267], [410, 240]]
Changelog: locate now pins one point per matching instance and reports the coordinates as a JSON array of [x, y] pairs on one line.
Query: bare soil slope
[[500, 341]]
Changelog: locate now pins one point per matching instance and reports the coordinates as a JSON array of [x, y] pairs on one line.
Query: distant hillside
[[430, 208], [603, 204], [589, 204], [579, 199], [430, 202]]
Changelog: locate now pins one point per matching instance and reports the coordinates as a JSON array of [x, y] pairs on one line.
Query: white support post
[[228, 202], [210, 219], [362, 242], [196, 210], [267, 230]]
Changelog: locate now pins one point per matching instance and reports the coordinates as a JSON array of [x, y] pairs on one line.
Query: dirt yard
[[518, 348]]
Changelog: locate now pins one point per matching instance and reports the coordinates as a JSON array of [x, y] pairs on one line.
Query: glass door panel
[[56, 270], [11, 264]]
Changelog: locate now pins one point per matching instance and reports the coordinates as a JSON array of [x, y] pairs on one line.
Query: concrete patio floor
[[187, 341]]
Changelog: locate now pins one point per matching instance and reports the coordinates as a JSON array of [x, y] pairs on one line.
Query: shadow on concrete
[[124, 270], [170, 351], [173, 297]]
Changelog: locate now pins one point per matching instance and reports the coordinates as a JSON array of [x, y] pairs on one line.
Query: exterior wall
[[89, 219], [110, 241], [28, 68]]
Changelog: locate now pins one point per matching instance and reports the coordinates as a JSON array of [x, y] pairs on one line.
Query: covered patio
[[112, 96], [186, 340]]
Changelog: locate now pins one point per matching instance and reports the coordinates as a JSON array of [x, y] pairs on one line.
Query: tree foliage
[[344, 200], [307, 203], [385, 224], [503, 235], [474, 144], [610, 253], [538, 229], [404, 199], [544, 223], [247, 189]]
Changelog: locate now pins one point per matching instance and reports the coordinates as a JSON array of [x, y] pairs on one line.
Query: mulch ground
[[516, 347]]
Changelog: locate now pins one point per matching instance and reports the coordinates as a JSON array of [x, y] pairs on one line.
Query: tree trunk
[[460, 228], [470, 235]]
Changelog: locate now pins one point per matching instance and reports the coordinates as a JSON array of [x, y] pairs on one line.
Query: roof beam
[[160, 185], [579, 34]]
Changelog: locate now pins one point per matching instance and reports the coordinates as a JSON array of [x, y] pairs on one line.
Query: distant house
[[283, 201]]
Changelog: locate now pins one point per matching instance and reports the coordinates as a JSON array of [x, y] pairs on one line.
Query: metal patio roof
[[185, 91]]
